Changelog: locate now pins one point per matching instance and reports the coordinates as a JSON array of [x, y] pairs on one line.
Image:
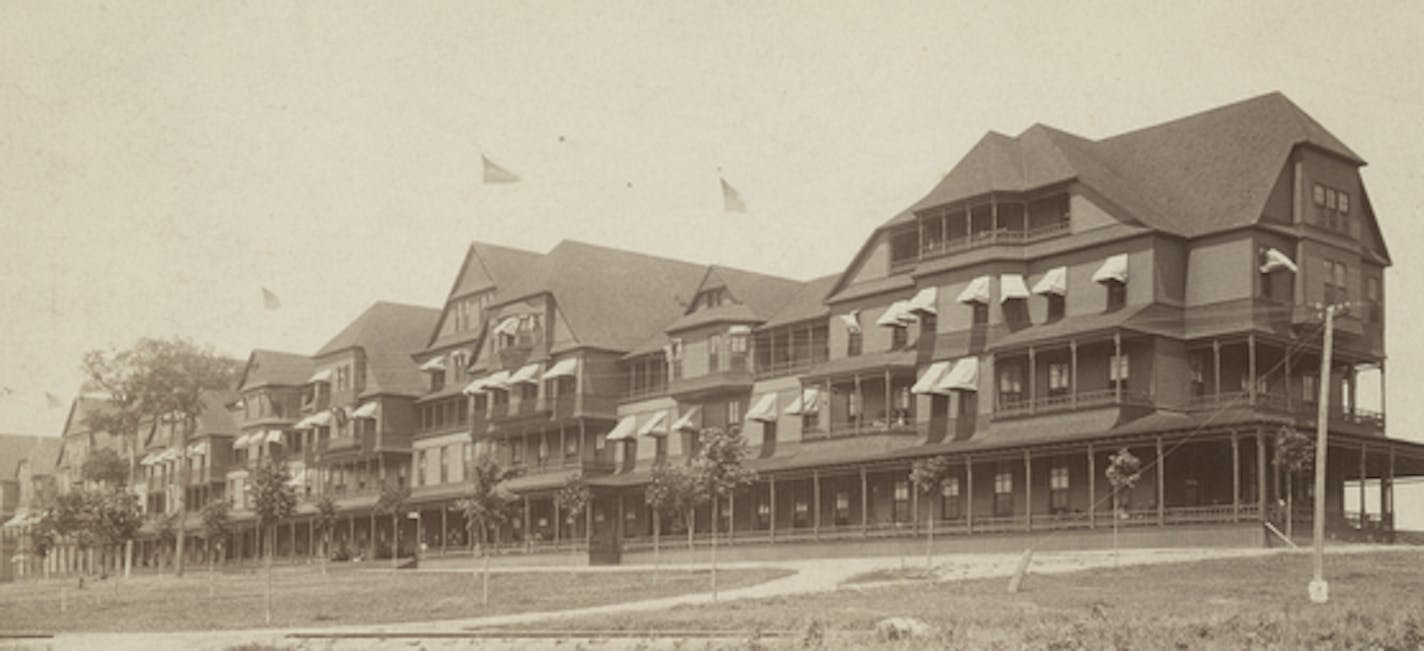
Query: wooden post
[[888, 410], [915, 509], [1117, 356], [731, 515], [1161, 486], [1028, 491], [1364, 474], [1290, 395], [864, 504], [1251, 371], [1032, 379], [1073, 372], [1092, 490], [771, 480], [1216, 368], [444, 527], [558, 515], [528, 529], [1260, 474], [1235, 477], [816, 504], [860, 404], [969, 493], [1387, 495]]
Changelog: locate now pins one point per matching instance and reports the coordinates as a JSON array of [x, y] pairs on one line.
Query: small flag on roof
[[269, 300], [496, 174], [731, 199]]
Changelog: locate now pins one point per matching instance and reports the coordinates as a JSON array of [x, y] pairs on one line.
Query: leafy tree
[[166, 526], [929, 476], [104, 467], [572, 500], [273, 499], [719, 469], [215, 527], [111, 373], [1123, 471], [673, 491], [325, 523], [159, 380], [487, 505], [394, 500], [1295, 453], [75, 519], [116, 520]]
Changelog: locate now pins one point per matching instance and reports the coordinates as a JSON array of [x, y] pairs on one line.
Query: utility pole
[[1320, 590]]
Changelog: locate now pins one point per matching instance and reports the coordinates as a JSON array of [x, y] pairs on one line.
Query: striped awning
[[436, 363], [626, 428], [656, 425], [1114, 269], [930, 378], [764, 410]]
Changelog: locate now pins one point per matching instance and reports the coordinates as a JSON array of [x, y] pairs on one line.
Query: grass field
[[348, 595], [1377, 601]]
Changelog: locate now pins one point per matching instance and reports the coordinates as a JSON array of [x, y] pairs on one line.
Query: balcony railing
[[986, 238], [845, 429], [789, 366], [1282, 403], [1062, 402]]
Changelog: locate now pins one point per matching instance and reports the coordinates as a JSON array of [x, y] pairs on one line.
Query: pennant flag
[[269, 300], [497, 174], [731, 199], [52, 401]]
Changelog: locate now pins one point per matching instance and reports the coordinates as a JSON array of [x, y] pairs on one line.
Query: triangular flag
[[497, 174], [731, 199], [269, 300], [53, 401]]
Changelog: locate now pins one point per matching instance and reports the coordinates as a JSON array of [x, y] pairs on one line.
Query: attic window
[[710, 298]]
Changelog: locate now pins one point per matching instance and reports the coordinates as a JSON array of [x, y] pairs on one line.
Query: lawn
[[348, 595], [1377, 601]]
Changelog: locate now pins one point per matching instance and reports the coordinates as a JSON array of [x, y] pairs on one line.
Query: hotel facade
[[1052, 300]]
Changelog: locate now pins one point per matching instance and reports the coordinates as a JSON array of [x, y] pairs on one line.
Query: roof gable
[[388, 333], [272, 367]]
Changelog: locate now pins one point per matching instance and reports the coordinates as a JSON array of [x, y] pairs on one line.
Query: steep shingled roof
[[485, 267], [40, 451], [1157, 174], [611, 299], [809, 302], [388, 333], [272, 367]]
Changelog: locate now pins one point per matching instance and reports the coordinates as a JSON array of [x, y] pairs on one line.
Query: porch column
[[887, 400], [1117, 355], [1216, 368], [1290, 395], [351, 530], [1235, 477], [860, 404], [1384, 413], [771, 526], [558, 514], [816, 504], [1161, 486], [1028, 491], [1073, 371], [311, 538], [864, 503], [1387, 495], [915, 508], [1092, 489], [1032, 380], [732, 515], [969, 493], [1353, 378], [1251, 368], [1364, 473], [588, 521], [371, 540], [528, 531], [444, 526]]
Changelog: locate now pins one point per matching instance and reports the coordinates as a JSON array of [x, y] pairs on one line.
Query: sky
[[161, 163]]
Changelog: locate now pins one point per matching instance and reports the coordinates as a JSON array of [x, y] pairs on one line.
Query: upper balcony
[[980, 223], [735, 379]]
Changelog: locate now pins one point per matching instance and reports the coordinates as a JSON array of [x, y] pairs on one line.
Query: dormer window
[[1113, 276], [710, 298]]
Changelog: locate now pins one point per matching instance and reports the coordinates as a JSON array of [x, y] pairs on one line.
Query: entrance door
[[605, 545]]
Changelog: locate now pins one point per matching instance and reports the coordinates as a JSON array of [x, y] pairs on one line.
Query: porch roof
[[895, 360], [1153, 319]]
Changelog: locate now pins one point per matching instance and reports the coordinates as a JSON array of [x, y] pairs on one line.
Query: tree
[[116, 520], [75, 516], [166, 526], [1123, 471], [273, 499], [159, 380], [215, 527], [325, 523], [720, 469], [487, 505], [673, 491], [104, 467], [394, 500], [572, 501], [1295, 452], [41, 534], [929, 476]]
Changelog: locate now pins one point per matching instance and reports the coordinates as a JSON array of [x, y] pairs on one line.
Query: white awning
[[1114, 269], [764, 410], [319, 419], [529, 373], [323, 375], [238, 442], [739, 330], [686, 421], [930, 378], [1277, 261], [274, 436], [924, 300], [478, 386], [564, 368], [151, 457], [976, 292], [370, 409], [1012, 286], [627, 428], [897, 315], [201, 447], [963, 377], [498, 381], [851, 320], [808, 401], [1053, 282], [436, 363], [655, 426], [508, 326]]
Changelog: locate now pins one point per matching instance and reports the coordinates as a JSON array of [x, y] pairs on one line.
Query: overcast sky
[[160, 163]]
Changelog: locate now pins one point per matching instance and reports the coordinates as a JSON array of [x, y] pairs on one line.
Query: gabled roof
[[271, 367], [388, 333], [611, 299], [79, 411], [1204, 173], [809, 302], [764, 294], [485, 267], [40, 451]]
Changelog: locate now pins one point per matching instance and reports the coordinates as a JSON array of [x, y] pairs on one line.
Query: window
[[739, 343], [1056, 307], [714, 352], [710, 298], [445, 464], [853, 404], [543, 449], [764, 514], [842, 507], [901, 510], [1117, 295], [1011, 383], [1059, 378], [1003, 493], [516, 452], [902, 401], [1372, 300], [420, 468], [949, 498], [571, 445], [660, 447], [854, 341], [899, 336], [1336, 289], [734, 412], [810, 420], [1058, 488], [437, 380], [1196, 374], [1318, 193], [1310, 388], [981, 313], [1118, 368], [801, 513], [1332, 207]]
